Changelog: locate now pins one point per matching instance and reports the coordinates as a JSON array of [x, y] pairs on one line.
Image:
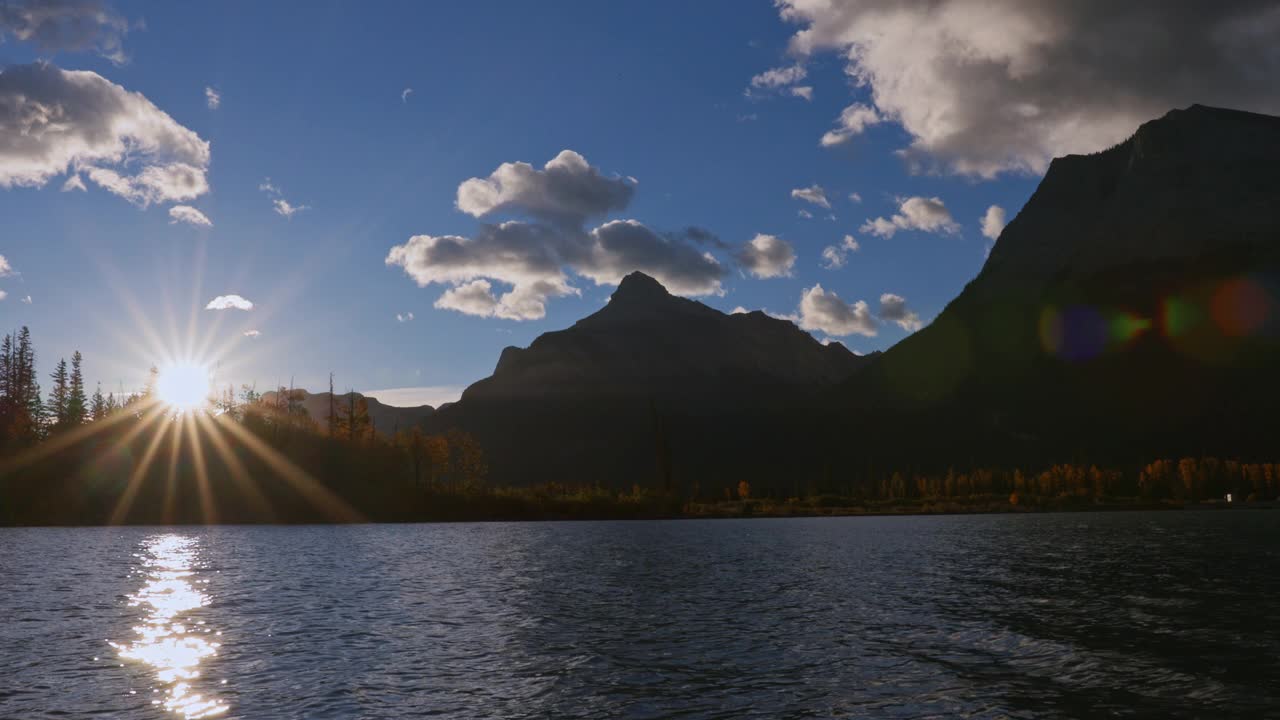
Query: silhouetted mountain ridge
[[647, 341]]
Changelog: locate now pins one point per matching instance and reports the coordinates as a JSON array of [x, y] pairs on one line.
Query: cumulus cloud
[[189, 215], [405, 93], [3, 294], [65, 25], [536, 258], [801, 91], [229, 302], [58, 120], [853, 121], [914, 213], [27, 300], [767, 256], [824, 311], [855, 197], [739, 310], [404, 317], [812, 194], [993, 222], [74, 183], [987, 86], [565, 192], [212, 98], [835, 256], [5, 268], [893, 308], [252, 333]]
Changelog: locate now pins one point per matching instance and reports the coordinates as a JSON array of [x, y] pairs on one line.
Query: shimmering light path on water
[[1038, 616]]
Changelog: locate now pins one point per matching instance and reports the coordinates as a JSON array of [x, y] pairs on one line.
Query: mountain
[[1128, 311], [648, 375], [646, 341], [386, 418]]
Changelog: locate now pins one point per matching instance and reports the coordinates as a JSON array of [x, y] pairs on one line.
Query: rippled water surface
[[1078, 615]]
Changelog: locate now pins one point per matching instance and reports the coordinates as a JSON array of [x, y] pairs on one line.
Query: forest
[[71, 457]]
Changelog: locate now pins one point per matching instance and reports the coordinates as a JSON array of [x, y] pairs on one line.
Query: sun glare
[[183, 386]]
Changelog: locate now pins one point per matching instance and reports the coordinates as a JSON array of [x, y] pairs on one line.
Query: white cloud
[[433, 395], [3, 294], [158, 183], [74, 120], [837, 255], [229, 302], [783, 80], [404, 317], [189, 215], [855, 197], [804, 214], [779, 77], [27, 300], [812, 194], [5, 268], [853, 121], [993, 222], [212, 98], [988, 86], [282, 207], [739, 310], [65, 25], [893, 308], [74, 183], [825, 312], [536, 258], [405, 93], [914, 213], [565, 192], [767, 256], [252, 333]]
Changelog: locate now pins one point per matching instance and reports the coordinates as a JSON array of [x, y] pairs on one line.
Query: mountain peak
[[638, 287]]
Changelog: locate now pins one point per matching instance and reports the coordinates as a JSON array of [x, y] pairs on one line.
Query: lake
[[1171, 614]]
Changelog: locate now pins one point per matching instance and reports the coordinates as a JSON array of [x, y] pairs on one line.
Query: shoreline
[[791, 514]]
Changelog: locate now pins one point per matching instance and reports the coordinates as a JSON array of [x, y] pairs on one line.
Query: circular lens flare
[[183, 386]]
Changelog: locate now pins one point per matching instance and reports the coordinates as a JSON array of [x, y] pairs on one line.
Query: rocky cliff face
[[1131, 307], [1197, 182]]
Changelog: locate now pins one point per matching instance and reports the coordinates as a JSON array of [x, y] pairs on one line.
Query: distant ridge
[[387, 419]]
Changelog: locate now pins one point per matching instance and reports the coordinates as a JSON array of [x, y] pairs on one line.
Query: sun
[[183, 386]]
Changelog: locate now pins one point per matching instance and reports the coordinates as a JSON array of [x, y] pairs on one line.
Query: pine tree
[[57, 406], [77, 403], [30, 411], [98, 407]]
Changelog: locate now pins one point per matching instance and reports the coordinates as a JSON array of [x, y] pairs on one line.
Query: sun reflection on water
[[173, 648]]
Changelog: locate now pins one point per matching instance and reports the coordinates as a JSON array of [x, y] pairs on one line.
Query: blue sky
[[311, 98]]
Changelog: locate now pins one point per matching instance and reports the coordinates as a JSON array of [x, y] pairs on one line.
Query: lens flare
[[1075, 333], [1240, 307]]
